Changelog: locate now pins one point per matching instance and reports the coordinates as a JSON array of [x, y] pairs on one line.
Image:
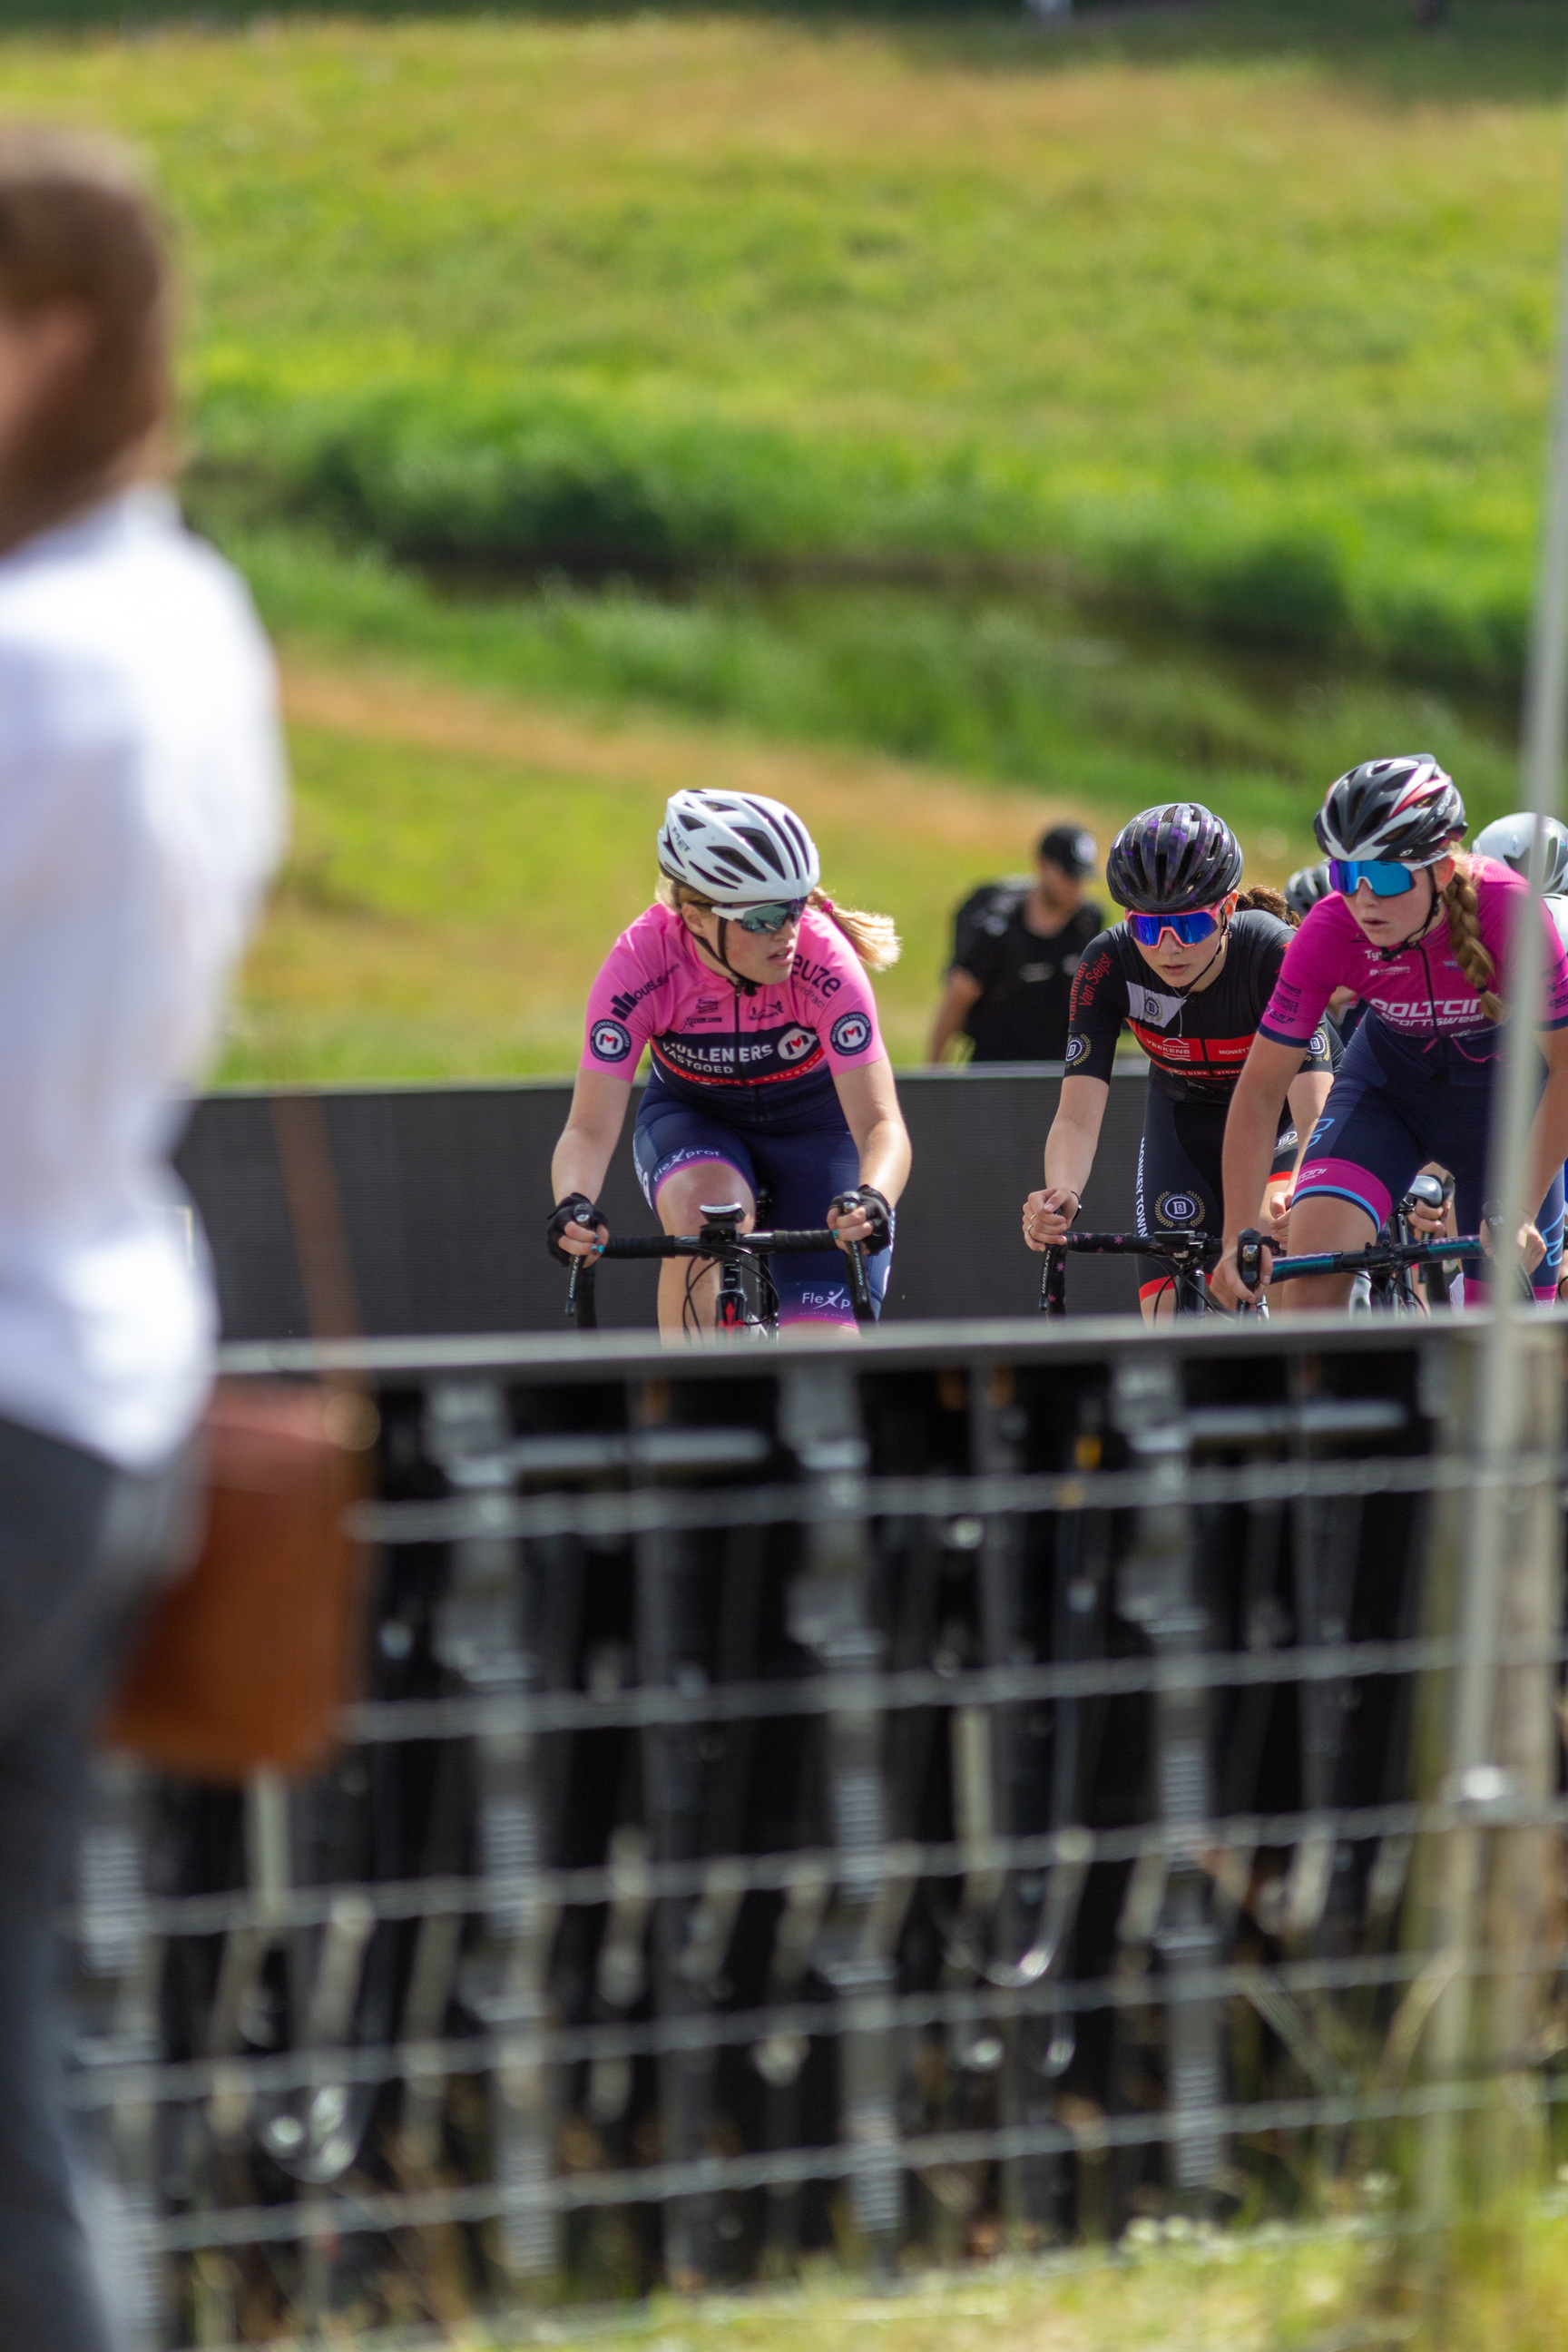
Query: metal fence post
[[1156, 1590], [484, 1639], [829, 1612]]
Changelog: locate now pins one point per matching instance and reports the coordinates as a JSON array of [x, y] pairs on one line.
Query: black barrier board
[[444, 1191]]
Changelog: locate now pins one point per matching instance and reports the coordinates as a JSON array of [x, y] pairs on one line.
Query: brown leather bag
[[246, 1660]]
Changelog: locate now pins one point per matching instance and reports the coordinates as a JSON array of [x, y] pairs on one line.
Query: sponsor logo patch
[[795, 1043], [1077, 1048], [1321, 1130], [1153, 1005], [1177, 1208], [610, 1041], [1318, 1044], [850, 1034]]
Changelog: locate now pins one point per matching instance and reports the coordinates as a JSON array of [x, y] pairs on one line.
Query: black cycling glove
[[576, 1209], [867, 1198]]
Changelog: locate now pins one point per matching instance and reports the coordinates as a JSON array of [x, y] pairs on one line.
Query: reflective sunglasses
[[1189, 928], [772, 918], [1387, 879]]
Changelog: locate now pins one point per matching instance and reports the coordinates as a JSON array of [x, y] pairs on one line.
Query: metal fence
[[959, 1792]]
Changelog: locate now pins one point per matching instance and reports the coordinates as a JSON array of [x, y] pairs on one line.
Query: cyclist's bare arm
[[1306, 1096], [588, 1141], [962, 992], [1070, 1156], [1251, 1130], [1548, 1146], [868, 1098]]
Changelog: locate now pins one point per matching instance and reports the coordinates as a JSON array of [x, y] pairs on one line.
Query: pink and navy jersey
[[1419, 991], [716, 1038]]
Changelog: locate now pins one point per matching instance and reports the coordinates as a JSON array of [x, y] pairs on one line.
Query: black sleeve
[[1098, 1010]]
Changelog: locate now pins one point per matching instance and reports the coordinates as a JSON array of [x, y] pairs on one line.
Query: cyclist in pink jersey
[[749, 989], [1422, 934]]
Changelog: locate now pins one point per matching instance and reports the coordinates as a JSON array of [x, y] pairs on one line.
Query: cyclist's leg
[[1179, 1184], [685, 1159], [1360, 1160], [804, 1166]]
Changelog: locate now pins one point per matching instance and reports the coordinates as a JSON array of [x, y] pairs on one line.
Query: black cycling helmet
[[1170, 860], [1508, 840], [1407, 810], [1305, 888]]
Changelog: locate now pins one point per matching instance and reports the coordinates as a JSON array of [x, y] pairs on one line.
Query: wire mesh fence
[[962, 1791]]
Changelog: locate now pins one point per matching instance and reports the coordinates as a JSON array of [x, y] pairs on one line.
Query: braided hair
[[1474, 959], [1259, 898]]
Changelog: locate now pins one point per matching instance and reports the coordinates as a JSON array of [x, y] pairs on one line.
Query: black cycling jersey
[[1196, 1043], [1026, 981]]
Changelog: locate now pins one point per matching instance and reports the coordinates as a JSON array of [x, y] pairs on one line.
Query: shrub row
[[585, 482]]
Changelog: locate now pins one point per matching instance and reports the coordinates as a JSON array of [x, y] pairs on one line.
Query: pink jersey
[[655, 989], [1420, 991]]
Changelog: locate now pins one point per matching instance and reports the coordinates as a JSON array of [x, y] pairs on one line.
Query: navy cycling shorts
[[1180, 1177], [794, 1162], [1395, 1105]]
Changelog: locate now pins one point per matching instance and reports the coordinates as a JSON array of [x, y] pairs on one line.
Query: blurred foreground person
[[141, 805], [1015, 947]]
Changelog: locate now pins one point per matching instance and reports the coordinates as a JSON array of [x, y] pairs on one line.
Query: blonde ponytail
[[873, 937], [1474, 959]]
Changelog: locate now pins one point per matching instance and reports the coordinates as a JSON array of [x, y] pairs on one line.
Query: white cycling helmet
[[1510, 840], [738, 849]]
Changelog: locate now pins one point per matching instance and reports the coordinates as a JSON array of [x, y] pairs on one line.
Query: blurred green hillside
[[1145, 406], [1243, 313]]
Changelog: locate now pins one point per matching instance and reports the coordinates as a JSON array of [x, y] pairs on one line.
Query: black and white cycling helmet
[[1172, 860], [1305, 888], [1510, 840], [738, 849], [1406, 811]]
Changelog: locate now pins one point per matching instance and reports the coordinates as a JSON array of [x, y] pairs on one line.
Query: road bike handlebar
[[1183, 1244], [1376, 1258], [581, 1304], [1182, 1239], [756, 1244]]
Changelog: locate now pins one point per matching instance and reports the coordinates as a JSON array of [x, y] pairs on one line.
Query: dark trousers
[[82, 1546]]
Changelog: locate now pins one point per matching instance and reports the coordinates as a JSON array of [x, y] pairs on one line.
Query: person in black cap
[[1015, 947]]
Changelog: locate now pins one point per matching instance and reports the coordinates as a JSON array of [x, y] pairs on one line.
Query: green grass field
[[1244, 313], [927, 387]]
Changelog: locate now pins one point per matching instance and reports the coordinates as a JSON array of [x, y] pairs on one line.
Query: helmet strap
[[720, 957], [1387, 955]]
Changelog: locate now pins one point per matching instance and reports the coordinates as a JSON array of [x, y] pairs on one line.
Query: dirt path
[[824, 784]]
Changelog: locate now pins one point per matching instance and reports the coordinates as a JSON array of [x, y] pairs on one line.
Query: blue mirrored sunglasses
[[1387, 879], [772, 918], [1188, 929]]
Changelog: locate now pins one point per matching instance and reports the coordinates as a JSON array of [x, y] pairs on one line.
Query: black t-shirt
[[1196, 1043], [1026, 983]]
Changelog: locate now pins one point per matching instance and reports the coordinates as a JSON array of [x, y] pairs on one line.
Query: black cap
[[1071, 848]]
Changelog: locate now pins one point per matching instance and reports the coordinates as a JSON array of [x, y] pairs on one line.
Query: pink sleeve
[[621, 1002], [1308, 978], [1501, 893]]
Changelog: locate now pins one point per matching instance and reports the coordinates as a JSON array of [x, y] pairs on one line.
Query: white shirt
[[141, 808]]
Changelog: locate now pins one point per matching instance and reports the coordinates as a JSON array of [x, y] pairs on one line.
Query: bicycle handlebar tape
[[867, 1198], [1249, 1258], [576, 1209]]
